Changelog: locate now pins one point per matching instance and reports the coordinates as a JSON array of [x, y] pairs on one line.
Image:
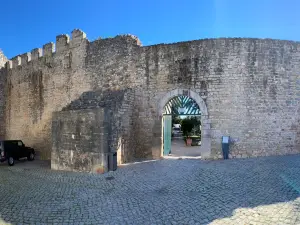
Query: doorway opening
[[182, 128]]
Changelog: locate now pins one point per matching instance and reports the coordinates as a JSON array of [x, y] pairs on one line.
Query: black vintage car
[[12, 150]]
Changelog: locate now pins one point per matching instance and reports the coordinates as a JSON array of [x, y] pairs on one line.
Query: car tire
[[30, 157], [11, 161]]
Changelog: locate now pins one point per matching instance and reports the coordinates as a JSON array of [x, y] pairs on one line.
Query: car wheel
[[30, 157], [11, 161]]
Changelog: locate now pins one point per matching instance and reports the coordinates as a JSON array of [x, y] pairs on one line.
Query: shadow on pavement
[[24, 163]]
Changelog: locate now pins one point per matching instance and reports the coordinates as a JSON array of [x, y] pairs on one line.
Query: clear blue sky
[[25, 25]]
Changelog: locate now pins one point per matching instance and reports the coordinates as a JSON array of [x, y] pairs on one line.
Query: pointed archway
[[205, 147]]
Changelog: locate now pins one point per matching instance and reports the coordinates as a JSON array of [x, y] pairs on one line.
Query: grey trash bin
[[225, 146], [112, 161]]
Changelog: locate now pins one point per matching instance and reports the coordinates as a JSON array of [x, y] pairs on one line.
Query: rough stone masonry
[[248, 89]]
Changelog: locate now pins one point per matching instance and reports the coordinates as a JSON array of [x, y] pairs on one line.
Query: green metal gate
[[167, 123]]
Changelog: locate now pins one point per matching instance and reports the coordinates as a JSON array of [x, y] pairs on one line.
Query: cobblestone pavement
[[241, 191], [178, 149]]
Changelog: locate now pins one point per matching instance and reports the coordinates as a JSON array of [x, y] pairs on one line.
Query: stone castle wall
[[250, 87], [3, 61], [46, 80]]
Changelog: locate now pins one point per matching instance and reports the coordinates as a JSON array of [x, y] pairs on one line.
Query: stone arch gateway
[[205, 130]]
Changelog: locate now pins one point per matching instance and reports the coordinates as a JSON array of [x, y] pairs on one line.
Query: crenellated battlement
[[3, 59], [48, 49], [25, 58], [36, 53], [63, 43], [77, 37], [16, 61]]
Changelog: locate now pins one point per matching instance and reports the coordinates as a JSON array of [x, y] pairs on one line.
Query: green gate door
[[167, 133]]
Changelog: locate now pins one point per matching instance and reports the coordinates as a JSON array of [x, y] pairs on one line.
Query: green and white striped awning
[[181, 105]]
